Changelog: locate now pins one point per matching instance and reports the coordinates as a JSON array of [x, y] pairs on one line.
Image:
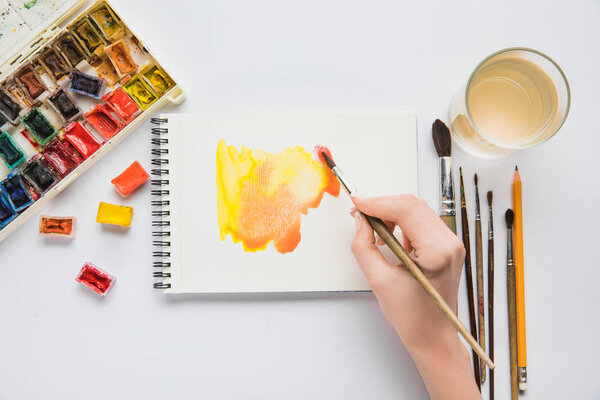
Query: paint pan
[[19, 94], [18, 195], [9, 107], [87, 85], [59, 158], [122, 105], [103, 122], [118, 53], [54, 64], [107, 23], [64, 105], [89, 36], [158, 79], [104, 68], [95, 279], [81, 139], [39, 175], [133, 177], [38, 125], [7, 213], [72, 152], [31, 81], [140, 92], [70, 49], [113, 214], [57, 226], [10, 152]]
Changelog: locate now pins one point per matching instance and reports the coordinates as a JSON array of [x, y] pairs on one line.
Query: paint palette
[[72, 86]]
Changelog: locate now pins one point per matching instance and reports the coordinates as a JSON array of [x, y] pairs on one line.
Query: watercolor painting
[[261, 197]]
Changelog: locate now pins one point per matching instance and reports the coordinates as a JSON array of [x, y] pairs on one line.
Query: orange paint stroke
[[262, 196]]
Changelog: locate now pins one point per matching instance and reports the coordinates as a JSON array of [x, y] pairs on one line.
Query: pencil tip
[[516, 168]]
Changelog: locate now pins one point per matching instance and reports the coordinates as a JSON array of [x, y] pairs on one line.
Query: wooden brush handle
[[480, 292], [470, 292], [491, 310], [512, 329], [388, 237], [450, 221]]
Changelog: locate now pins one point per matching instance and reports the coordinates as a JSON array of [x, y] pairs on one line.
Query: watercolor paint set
[[73, 83]]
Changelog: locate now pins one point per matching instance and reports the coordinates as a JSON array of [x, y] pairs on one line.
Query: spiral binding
[[160, 203]]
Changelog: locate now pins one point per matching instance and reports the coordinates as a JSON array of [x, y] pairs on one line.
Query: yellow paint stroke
[[262, 196]]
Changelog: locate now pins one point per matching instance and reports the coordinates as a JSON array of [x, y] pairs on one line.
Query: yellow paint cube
[[114, 215]]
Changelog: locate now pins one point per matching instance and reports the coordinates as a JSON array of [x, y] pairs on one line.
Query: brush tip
[[490, 196], [441, 139], [510, 217], [476, 179], [323, 154]]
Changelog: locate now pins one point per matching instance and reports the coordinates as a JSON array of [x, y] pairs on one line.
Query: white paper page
[[377, 151]]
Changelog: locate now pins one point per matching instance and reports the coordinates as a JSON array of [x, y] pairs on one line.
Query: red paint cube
[[96, 279], [122, 105], [133, 177], [81, 139], [101, 119]]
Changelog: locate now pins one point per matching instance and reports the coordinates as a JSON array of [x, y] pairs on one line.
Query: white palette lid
[[26, 25]]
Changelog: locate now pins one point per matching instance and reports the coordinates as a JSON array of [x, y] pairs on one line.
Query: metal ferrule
[[343, 180], [491, 226], [477, 210], [447, 204], [522, 374], [509, 256]]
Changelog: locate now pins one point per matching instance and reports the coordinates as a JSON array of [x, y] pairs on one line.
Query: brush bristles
[[476, 180], [328, 160], [490, 196], [441, 139], [510, 217]]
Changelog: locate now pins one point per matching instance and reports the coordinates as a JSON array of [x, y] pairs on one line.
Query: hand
[[429, 337]]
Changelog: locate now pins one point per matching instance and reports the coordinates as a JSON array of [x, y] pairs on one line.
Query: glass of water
[[516, 98]]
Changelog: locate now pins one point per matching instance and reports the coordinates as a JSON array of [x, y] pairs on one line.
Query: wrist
[[445, 349]]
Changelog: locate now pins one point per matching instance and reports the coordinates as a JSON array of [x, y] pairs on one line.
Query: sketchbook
[[242, 203]]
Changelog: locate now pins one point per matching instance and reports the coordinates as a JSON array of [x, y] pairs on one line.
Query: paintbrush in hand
[[491, 288], [479, 272], [392, 242], [469, 274], [511, 295], [443, 146]]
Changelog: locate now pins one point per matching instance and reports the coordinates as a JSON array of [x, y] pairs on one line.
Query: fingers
[[414, 217], [366, 252], [407, 245]]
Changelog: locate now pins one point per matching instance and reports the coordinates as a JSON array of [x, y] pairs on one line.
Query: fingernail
[[357, 220], [357, 195]]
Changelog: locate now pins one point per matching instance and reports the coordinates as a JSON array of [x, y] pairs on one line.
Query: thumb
[[365, 251]]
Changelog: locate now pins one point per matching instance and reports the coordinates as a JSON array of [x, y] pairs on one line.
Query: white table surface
[[59, 341]]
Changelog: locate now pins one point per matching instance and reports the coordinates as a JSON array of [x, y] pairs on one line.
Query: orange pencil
[[520, 281]]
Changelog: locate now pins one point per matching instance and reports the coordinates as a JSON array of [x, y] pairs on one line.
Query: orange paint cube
[[133, 177], [57, 226]]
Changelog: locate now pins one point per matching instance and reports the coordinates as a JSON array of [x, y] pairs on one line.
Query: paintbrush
[[512, 306], [469, 274], [479, 272], [491, 288], [392, 242], [443, 146]]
